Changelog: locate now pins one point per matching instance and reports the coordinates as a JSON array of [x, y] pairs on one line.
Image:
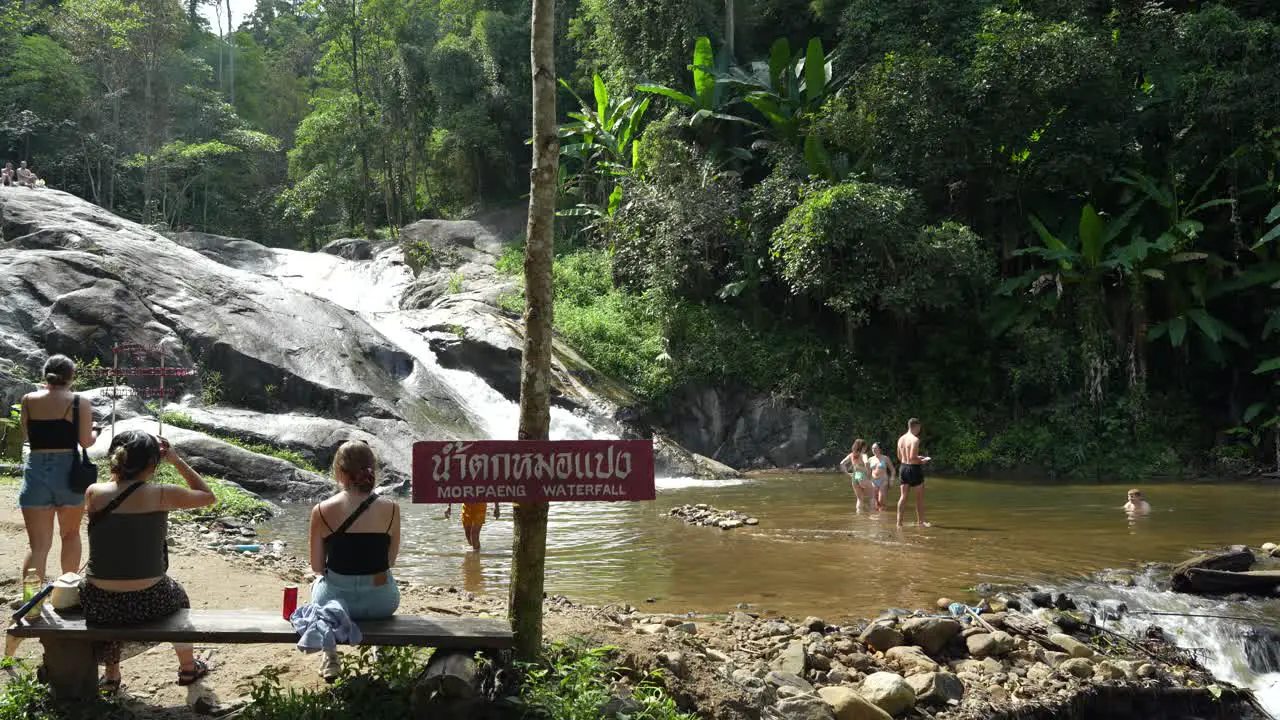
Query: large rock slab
[[261, 474], [76, 279]]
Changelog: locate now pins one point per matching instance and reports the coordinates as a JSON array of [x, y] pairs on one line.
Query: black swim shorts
[[913, 475]]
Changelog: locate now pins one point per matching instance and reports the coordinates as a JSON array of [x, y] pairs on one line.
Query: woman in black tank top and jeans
[[49, 426], [355, 538]]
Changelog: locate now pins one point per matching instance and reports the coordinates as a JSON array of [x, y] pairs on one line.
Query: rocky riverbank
[[708, 516]]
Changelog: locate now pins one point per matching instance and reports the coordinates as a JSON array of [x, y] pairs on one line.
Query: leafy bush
[[23, 697], [372, 684], [575, 682]]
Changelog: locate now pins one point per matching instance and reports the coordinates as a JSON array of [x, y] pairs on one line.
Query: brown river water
[[812, 555]]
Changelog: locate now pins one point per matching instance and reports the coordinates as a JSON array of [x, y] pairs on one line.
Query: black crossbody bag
[[83, 472]]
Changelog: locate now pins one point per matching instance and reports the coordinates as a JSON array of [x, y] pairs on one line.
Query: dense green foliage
[[1045, 228]]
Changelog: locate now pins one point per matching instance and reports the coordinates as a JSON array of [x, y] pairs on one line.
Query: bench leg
[[70, 668]]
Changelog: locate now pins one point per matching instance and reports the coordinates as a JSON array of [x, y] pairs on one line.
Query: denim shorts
[[46, 481], [357, 593]]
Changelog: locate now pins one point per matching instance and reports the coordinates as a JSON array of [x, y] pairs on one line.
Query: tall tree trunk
[[231, 52], [730, 31], [369, 230], [529, 548]]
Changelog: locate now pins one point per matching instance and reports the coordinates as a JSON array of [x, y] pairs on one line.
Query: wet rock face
[[77, 280], [1262, 649], [743, 430]]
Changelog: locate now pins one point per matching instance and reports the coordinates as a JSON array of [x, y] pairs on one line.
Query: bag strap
[[355, 515], [75, 417], [115, 503]]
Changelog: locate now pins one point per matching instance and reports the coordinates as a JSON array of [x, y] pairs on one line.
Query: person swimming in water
[[856, 464], [881, 473], [1137, 503]]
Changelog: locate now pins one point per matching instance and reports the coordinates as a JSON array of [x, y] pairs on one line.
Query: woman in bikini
[[856, 464], [881, 473]]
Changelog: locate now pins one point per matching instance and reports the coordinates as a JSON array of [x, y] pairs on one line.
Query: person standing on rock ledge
[[911, 474]]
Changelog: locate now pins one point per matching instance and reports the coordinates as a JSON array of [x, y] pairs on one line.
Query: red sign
[[532, 471]]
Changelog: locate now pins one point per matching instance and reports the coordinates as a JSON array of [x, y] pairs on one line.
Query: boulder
[[1039, 673], [1105, 671], [881, 637], [674, 661], [911, 658], [814, 624], [931, 634], [889, 692], [1079, 667], [849, 705], [1071, 646], [936, 688], [261, 474], [350, 248], [996, 644], [804, 707]]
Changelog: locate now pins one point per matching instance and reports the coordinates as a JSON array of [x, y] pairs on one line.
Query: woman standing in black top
[[355, 538], [47, 425]]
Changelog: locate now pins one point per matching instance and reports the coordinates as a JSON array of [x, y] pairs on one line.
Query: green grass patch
[[10, 479], [25, 698], [184, 421], [232, 500]]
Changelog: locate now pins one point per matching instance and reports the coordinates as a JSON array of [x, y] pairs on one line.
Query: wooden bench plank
[[246, 627]]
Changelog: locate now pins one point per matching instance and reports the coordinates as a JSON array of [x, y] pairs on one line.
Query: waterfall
[[1245, 653], [372, 289]]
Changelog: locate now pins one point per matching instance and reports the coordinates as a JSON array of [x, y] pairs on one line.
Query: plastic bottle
[[32, 584], [246, 548]]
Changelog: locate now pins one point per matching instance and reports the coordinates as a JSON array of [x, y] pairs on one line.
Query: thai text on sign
[[532, 471]]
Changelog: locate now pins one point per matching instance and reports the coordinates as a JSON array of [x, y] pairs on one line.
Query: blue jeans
[[46, 481], [358, 595]]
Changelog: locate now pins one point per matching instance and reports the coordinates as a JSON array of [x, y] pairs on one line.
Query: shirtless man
[[26, 178], [911, 472]]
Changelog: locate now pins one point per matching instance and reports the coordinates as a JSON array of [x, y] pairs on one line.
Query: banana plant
[[710, 96], [788, 91], [599, 149]]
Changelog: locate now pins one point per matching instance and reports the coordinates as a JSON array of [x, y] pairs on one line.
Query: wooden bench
[[72, 672]]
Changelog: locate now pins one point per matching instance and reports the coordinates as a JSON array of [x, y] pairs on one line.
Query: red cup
[[290, 600]]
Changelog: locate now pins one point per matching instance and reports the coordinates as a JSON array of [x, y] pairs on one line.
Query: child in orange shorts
[[472, 521]]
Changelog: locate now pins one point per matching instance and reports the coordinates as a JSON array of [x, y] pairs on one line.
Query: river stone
[[1039, 673], [931, 634], [1053, 658], [849, 705], [881, 637], [777, 679], [936, 687], [1079, 667], [674, 660], [888, 691], [804, 707], [1147, 671], [1072, 646], [791, 661], [1107, 671], [687, 627], [996, 644], [911, 658], [815, 624]]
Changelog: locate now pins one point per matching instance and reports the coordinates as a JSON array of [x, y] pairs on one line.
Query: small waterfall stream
[[373, 288], [1244, 652]]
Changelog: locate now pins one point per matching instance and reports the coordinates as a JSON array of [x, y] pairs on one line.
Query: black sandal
[[189, 677], [108, 688]]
